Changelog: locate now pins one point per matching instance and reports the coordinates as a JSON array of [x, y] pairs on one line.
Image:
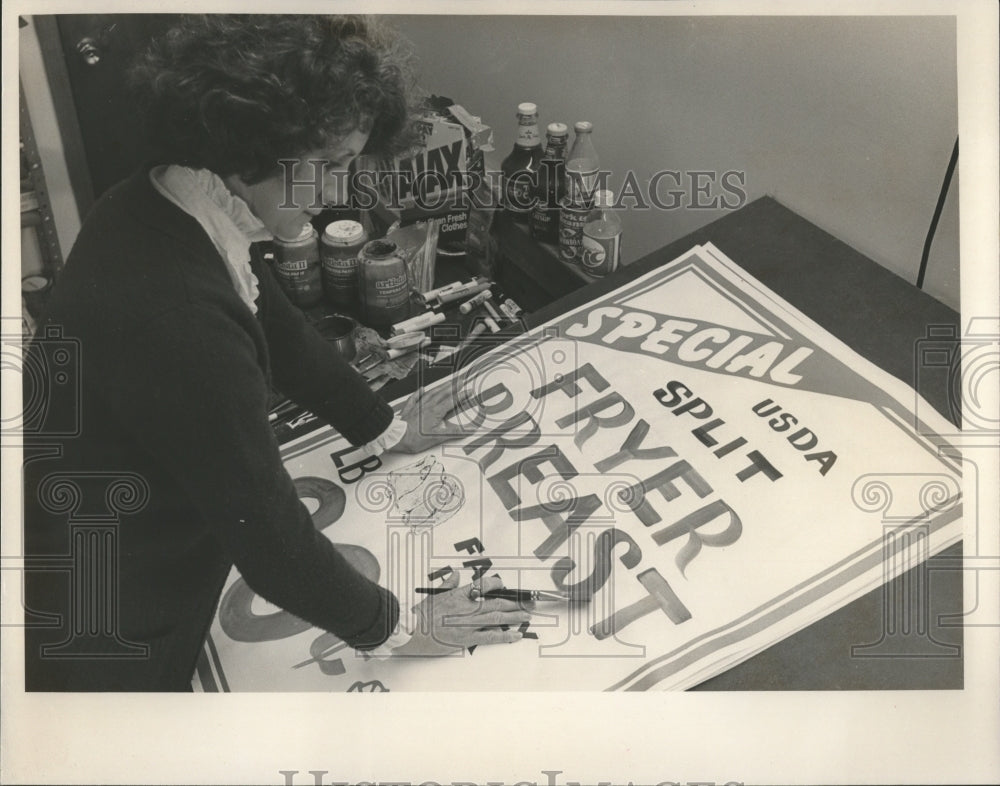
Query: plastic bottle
[[520, 168], [582, 165], [600, 253], [551, 184]]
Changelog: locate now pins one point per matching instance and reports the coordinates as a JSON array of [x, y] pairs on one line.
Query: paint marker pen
[[524, 595], [431, 294], [406, 340], [459, 294], [392, 354], [420, 322], [475, 300], [516, 309], [508, 312], [492, 312]]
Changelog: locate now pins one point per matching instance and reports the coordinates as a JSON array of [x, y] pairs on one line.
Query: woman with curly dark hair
[[182, 330]]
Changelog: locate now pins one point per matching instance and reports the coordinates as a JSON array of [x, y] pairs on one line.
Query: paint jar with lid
[[339, 250], [383, 284], [297, 266]]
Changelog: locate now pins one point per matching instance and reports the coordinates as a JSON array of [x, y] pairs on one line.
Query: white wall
[[848, 121]]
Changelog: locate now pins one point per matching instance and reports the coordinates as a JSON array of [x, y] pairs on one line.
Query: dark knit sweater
[[174, 374]]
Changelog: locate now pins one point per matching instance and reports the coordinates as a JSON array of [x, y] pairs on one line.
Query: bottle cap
[[343, 233], [307, 232], [604, 198], [527, 108], [379, 249], [557, 129]]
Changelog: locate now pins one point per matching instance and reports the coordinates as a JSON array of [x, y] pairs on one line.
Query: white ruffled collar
[[224, 216]]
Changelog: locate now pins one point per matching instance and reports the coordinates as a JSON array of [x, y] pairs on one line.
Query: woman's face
[[285, 203]]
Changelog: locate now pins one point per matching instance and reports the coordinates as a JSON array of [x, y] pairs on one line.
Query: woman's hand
[[450, 621], [424, 414]]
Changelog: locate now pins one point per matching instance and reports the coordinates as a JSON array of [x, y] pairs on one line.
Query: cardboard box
[[432, 181]]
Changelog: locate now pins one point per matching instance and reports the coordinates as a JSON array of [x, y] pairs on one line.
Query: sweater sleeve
[[308, 370], [190, 391]]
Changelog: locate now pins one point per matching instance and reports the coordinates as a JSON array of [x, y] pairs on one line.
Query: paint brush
[[526, 596]]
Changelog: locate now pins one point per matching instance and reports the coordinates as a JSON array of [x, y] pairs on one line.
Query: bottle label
[[527, 131], [340, 273], [545, 223], [300, 278], [520, 192], [581, 180], [391, 285], [343, 266], [555, 149], [600, 255], [545, 216], [572, 219], [297, 268], [384, 290]]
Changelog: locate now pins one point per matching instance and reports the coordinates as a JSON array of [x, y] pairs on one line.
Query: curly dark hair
[[235, 93]]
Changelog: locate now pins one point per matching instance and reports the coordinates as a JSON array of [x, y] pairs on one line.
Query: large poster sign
[[703, 469]]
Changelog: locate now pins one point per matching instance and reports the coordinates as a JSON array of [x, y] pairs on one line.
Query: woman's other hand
[[451, 620], [424, 414]]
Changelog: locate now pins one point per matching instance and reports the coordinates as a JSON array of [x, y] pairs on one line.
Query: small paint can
[[338, 331], [383, 284], [297, 266], [339, 249]]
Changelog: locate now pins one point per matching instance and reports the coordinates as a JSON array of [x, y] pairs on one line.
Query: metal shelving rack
[[36, 210]]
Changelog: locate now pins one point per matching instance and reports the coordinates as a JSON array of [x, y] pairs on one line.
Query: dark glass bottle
[[520, 168], [545, 216]]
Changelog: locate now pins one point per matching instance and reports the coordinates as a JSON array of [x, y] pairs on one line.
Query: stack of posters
[[702, 468]]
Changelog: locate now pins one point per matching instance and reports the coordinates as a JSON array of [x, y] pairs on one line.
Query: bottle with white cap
[[601, 248], [582, 165], [520, 168]]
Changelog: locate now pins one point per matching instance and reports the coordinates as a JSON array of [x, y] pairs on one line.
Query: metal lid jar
[[339, 250], [383, 284]]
